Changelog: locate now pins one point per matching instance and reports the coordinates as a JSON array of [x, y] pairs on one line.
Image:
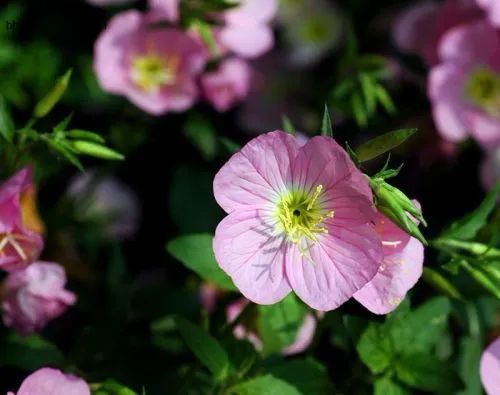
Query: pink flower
[[34, 296], [247, 32], [490, 368], [465, 87], [105, 3], [303, 340], [420, 28], [155, 68], [209, 295], [165, 9], [48, 381], [227, 85], [299, 218], [492, 8], [20, 226], [399, 272]]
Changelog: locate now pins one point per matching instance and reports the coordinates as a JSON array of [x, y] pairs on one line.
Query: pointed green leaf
[[61, 126], [382, 144], [385, 99], [358, 110], [288, 125], [45, 105], [86, 135], [196, 253], [467, 227], [439, 282], [386, 386], [206, 348], [264, 385], [96, 150], [326, 124]]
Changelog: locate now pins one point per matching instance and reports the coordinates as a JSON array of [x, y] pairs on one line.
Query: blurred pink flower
[[105, 3], [399, 272], [155, 68], [34, 296], [209, 295], [492, 8], [105, 200], [465, 87], [303, 339], [299, 218], [247, 31], [20, 226], [48, 381], [420, 28], [165, 9], [490, 368], [227, 85]]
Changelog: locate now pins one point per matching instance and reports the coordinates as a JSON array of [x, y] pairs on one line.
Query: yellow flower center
[[151, 72], [483, 89], [301, 215]]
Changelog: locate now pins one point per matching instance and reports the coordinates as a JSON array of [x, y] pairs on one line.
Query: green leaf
[[96, 150], [206, 348], [438, 281], [264, 385], [230, 146], [382, 144], [45, 105], [386, 386], [467, 227], [358, 110], [64, 150], [483, 276], [368, 87], [424, 371], [471, 348], [385, 99], [111, 387], [420, 329], [326, 124], [202, 134], [196, 253], [288, 125], [279, 323], [29, 353], [6, 123], [61, 126], [375, 348], [85, 135], [306, 374]]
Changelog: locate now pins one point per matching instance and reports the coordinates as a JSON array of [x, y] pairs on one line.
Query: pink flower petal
[[247, 41], [304, 337], [247, 248], [335, 267], [490, 368], [252, 12], [256, 175], [47, 381]]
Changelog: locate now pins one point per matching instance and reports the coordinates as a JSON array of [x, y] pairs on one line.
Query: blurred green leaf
[[306, 374], [424, 371], [196, 253], [386, 386], [230, 146], [279, 323], [203, 136], [288, 125], [29, 353], [206, 348], [6, 122], [45, 105], [111, 387], [375, 348], [85, 135], [438, 281], [471, 348], [96, 150], [265, 385], [467, 227], [382, 144], [385, 99], [326, 123]]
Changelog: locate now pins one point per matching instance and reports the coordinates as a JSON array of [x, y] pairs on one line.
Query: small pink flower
[[492, 8], [490, 368], [155, 68], [399, 272], [165, 9], [20, 227], [34, 296], [209, 295], [420, 28], [247, 31], [227, 85], [48, 381], [299, 218], [303, 340], [465, 87]]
